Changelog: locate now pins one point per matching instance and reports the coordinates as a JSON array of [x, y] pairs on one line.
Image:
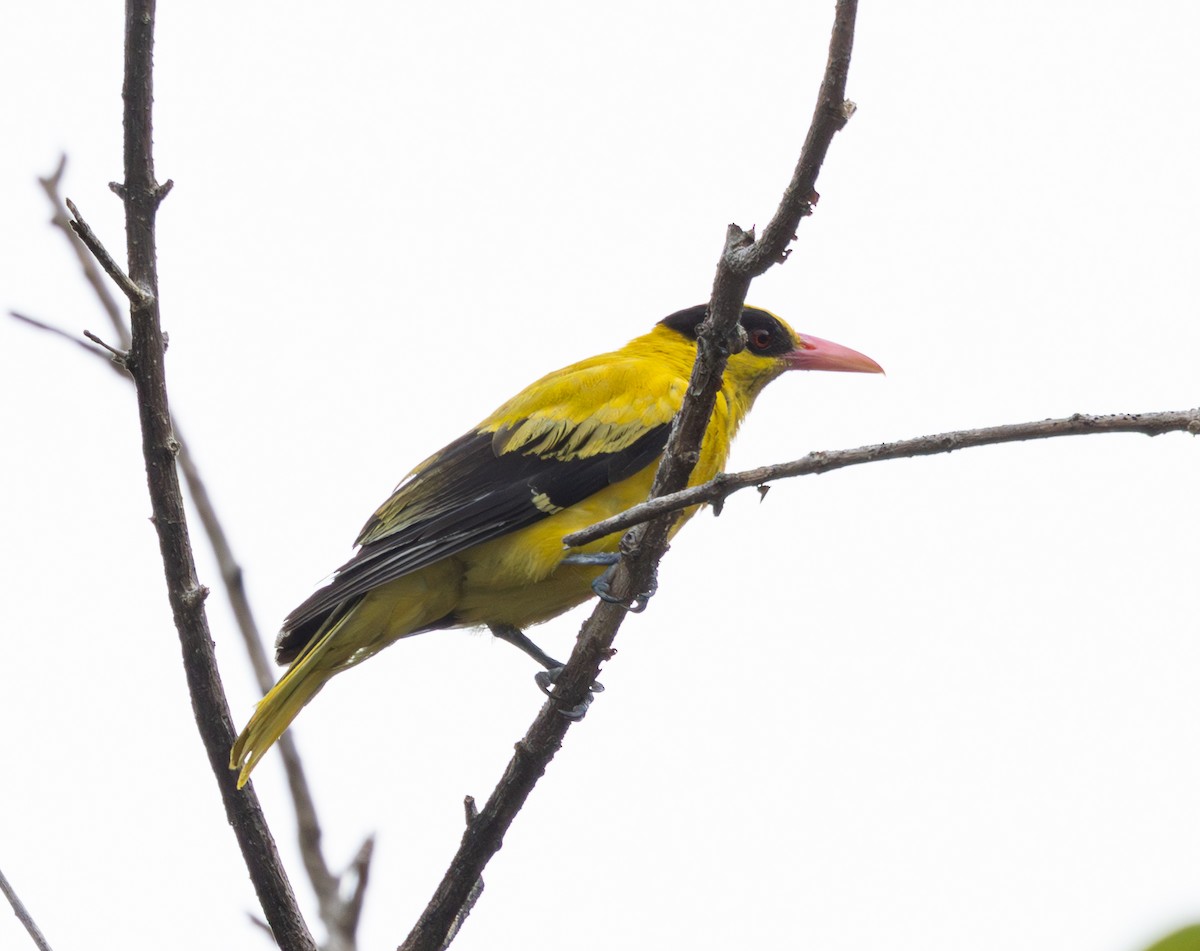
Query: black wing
[[465, 495]]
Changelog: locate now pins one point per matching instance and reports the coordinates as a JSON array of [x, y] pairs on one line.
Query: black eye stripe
[[754, 321], [762, 326]]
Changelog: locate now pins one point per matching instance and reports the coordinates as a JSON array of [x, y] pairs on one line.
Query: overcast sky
[[928, 704]]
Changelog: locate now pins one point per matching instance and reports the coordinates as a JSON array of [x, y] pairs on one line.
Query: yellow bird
[[473, 535]]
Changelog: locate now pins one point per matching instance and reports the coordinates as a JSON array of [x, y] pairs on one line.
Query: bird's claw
[[635, 605], [546, 679], [603, 584]]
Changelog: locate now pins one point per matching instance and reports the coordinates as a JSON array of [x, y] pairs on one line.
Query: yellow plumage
[[474, 534]]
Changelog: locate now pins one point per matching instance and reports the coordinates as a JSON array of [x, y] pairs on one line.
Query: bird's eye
[[760, 338]]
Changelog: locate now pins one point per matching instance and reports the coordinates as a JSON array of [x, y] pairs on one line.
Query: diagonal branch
[[84, 232], [339, 913], [741, 260], [339, 909], [58, 332], [719, 489], [23, 915], [51, 185], [832, 112], [141, 194]]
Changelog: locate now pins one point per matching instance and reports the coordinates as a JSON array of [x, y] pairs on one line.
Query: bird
[[473, 535]]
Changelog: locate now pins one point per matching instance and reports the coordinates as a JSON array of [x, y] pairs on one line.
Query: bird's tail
[[275, 712]]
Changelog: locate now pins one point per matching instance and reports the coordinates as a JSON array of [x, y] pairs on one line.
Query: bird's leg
[[516, 637], [545, 679], [603, 585]]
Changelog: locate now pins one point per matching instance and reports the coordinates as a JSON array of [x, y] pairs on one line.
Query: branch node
[[471, 810], [736, 238], [523, 749], [195, 596], [117, 189], [54, 179], [162, 191], [848, 109], [762, 491]]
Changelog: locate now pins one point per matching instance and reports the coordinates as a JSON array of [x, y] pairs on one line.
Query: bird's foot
[[546, 679], [603, 585]]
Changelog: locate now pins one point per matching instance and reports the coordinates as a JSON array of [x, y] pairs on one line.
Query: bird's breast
[[519, 579]]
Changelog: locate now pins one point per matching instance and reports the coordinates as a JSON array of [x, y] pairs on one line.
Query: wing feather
[[538, 454]]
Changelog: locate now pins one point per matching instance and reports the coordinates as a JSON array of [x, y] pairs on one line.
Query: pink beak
[[813, 353]]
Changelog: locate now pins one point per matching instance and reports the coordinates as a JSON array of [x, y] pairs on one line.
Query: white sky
[[928, 704]]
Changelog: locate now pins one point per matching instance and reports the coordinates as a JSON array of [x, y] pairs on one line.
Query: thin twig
[[23, 915], [339, 914], [644, 546], [118, 356], [360, 869], [334, 910], [58, 332], [471, 813], [52, 186], [830, 116], [724, 485], [137, 296], [141, 194]]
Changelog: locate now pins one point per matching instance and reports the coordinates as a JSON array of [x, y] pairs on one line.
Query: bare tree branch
[[830, 116], [339, 914], [141, 194], [51, 329], [52, 186], [85, 234], [23, 915], [336, 912], [717, 490], [741, 260]]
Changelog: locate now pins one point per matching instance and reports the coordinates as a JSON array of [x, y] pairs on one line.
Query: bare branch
[[724, 485], [141, 195], [85, 234], [334, 910], [339, 915], [51, 185], [23, 915], [832, 113], [471, 812], [118, 357], [58, 332], [644, 546], [360, 868]]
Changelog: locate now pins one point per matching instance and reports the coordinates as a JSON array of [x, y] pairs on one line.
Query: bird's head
[[772, 348]]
